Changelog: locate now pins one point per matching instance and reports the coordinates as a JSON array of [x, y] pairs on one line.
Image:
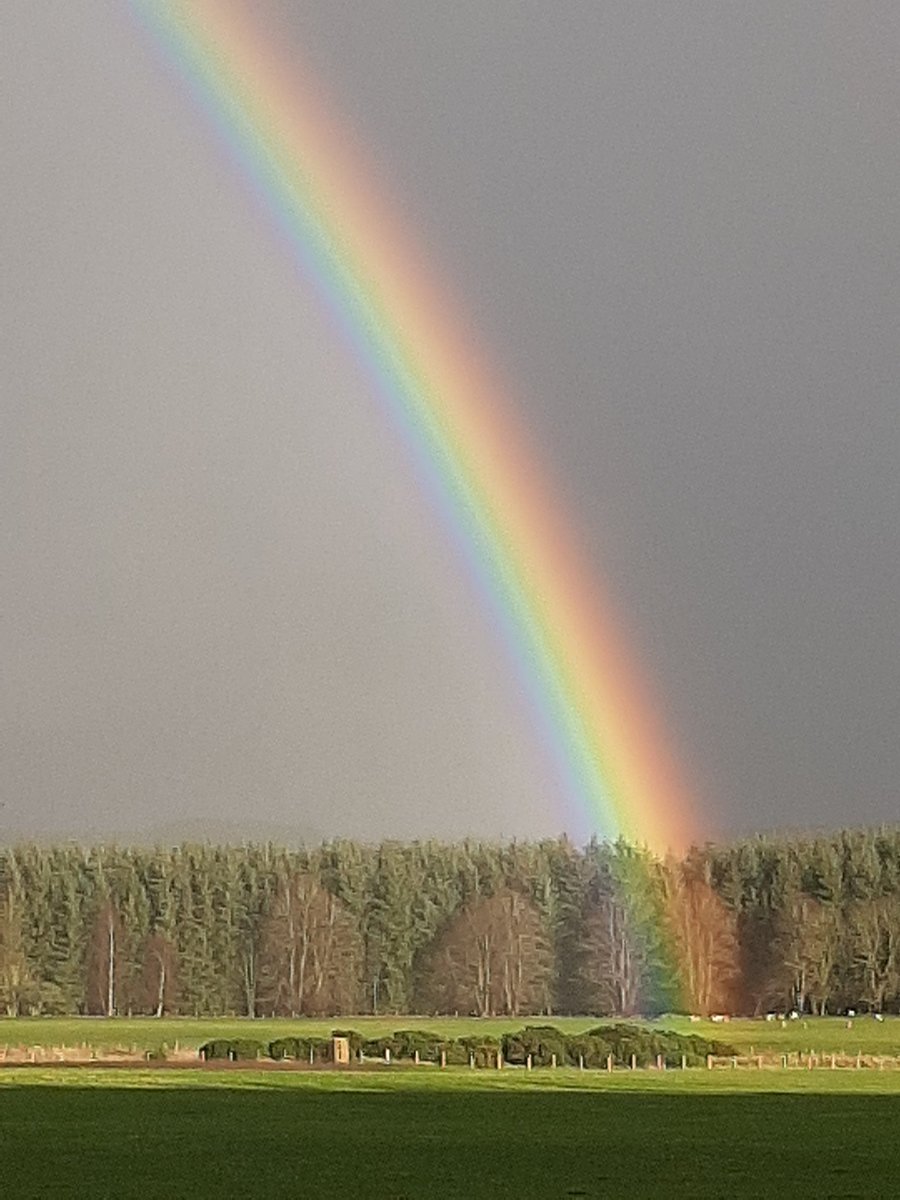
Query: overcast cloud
[[675, 227]]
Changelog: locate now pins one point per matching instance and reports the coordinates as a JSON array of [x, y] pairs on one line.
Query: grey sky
[[674, 226]]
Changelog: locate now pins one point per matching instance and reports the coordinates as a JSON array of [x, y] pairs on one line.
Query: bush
[[217, 1048], [592, 1050], [647, 1044], [406, 1042], [482, 1049], [233, 1048], [456, 1052], [542, 1042], [299, 1048], [248, 1048], [286, 1047], [375, 1047]]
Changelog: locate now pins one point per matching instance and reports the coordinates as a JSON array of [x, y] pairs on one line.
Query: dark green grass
[[510, 1136]]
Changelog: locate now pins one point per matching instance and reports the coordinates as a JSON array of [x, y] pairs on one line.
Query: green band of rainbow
[[586, 693]]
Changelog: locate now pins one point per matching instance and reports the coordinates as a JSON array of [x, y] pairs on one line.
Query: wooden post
[[471, 1061], [659, 1062], [499, 1060], [684, 1062], [709, 1059], [443, 1059], [528, 1062], [387, 1055], [858, 1061], [759, 1062], [416, 1057], [580, 1062], [609, 1063], [832, 1062], [553, 1061], [633, 1062]]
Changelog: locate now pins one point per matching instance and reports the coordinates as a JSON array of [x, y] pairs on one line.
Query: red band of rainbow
[[586, 692]]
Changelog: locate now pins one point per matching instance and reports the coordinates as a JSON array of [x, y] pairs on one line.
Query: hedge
[[541, 1043]]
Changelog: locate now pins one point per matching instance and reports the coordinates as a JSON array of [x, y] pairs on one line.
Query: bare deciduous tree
[[494, 957], [309, 959], [704, 940]]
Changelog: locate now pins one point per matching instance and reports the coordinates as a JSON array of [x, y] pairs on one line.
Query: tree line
[[810, 924]]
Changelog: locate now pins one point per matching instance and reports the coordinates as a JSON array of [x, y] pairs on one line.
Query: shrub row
[[543, 1043], [620, 1043]]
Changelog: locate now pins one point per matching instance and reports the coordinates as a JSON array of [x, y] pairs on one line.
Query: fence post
[[580, 1062], [709, 1059], [499, 1060], [443, 1059], [633, 1062], [609, 1063], [528, 1062], [416, 1057], [553, 1061], [684, 1062]]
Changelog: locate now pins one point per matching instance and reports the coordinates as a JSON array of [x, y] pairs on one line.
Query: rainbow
[[588, 698]]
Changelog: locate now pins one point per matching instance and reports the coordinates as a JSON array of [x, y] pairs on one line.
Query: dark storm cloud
[[673, 225]]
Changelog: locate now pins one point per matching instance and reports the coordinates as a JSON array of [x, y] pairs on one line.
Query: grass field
[[820, 1034], [499, 1136], [420, 1132]]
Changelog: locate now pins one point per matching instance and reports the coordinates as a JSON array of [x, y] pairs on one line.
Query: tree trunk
[[111, 969]]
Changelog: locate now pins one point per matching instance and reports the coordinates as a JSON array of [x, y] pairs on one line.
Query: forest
[[803, 923]]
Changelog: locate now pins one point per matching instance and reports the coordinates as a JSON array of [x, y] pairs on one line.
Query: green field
[[409, 1132], [454, 1134], [821, 1035]]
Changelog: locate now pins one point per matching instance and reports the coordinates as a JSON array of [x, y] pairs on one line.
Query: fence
[[804, 1060]]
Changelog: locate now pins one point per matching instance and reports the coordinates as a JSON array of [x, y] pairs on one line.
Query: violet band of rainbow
[[568, 654]]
